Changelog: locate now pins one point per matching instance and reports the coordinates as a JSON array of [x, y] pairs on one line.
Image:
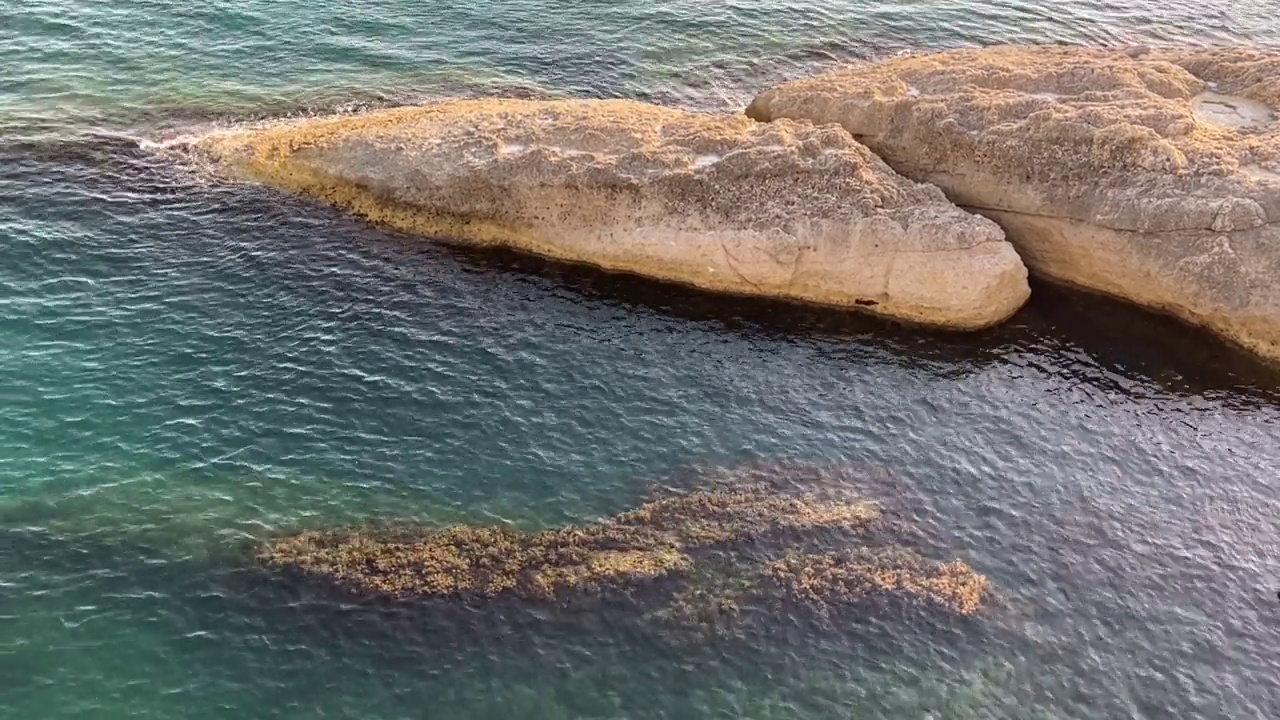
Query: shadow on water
[[1078, 335], [1062, 330]]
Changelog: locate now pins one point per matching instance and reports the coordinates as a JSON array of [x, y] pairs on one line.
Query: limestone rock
[[1150, 175], [715, 201]]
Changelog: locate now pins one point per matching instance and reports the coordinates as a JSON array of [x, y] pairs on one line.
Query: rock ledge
[[715, 201], [1150, 175]]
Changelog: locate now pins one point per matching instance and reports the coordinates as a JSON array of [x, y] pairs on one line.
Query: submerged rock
[[692, 561], [714, 201], [1153, 176], [627, 550], [860, 573]]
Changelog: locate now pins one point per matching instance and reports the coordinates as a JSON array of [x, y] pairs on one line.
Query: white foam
[[1231, 111], [184, 139], [180, 139]]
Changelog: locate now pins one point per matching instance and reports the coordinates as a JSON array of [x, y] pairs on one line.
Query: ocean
[[189, 366]]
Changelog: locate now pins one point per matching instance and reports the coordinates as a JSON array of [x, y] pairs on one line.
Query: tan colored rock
[[718, 202], [1153, 176]]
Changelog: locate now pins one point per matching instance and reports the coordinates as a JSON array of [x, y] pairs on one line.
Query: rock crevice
[[1121, 171]]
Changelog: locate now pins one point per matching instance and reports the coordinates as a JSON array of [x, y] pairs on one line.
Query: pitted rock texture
[[715, 201], [1150, 175]]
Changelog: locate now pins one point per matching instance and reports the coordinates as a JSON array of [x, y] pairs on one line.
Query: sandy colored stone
[[1150, 175], [715, 201]]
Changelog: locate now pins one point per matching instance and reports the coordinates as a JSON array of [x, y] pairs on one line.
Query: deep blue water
[[186, 367]]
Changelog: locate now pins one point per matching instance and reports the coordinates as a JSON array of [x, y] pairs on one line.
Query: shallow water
[[188, 366]]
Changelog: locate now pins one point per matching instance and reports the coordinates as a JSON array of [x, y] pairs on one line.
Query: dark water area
[[191, 366], [187, 367]]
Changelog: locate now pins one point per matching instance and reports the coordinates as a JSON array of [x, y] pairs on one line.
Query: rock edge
[[714, 201], [1149, 175]]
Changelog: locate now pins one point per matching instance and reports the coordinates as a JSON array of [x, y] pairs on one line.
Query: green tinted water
[[187, 367]]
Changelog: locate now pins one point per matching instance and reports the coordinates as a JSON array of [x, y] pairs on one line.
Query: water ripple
[[189, 366]]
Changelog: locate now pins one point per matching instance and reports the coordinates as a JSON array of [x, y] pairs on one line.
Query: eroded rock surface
[[719, 202], [1151, 175]]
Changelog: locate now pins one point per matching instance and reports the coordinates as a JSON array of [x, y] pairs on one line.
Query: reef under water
[[744, 550]]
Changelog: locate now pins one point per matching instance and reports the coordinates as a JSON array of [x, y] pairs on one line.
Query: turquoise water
[[186, 367]]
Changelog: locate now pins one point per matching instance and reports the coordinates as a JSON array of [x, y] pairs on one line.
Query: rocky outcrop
[[1153, 176], [719, 202]]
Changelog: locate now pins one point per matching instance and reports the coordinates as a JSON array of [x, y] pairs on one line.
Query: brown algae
[[694, 558]]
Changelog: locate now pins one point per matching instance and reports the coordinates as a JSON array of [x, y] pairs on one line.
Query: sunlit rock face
[[1150, 175], [715, 201]]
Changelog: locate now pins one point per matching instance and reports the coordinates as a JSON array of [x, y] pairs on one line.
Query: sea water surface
[[188, 366]]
